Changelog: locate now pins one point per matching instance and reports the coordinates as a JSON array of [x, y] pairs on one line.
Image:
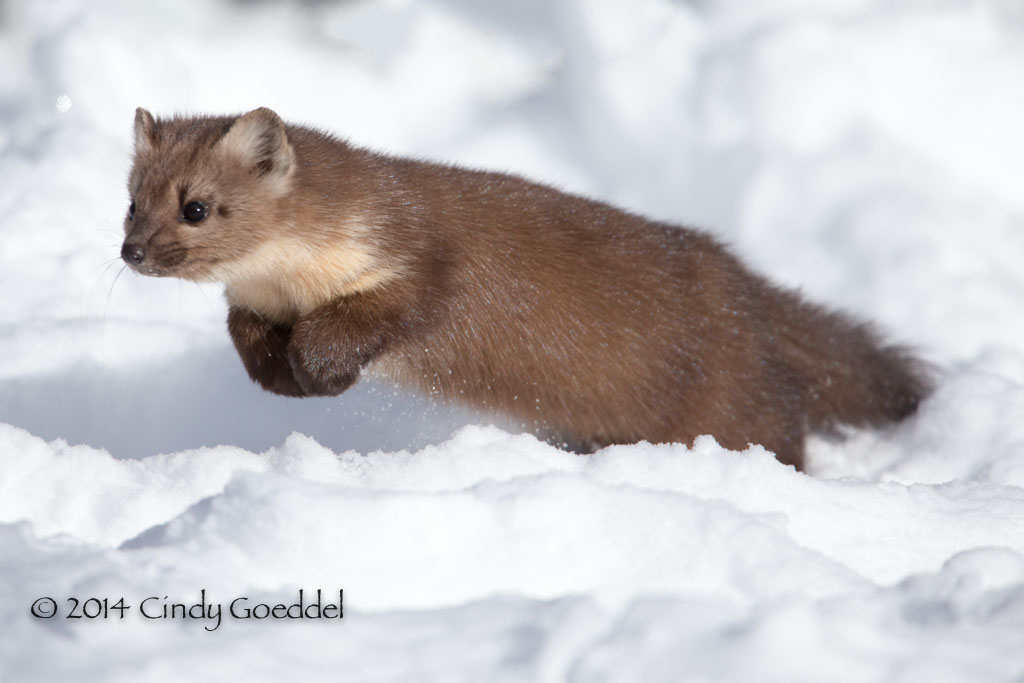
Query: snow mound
[[632, 564]]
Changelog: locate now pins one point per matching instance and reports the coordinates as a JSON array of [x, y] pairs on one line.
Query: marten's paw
[[318, 376], [262, 346], [324, 360], [329, 346]]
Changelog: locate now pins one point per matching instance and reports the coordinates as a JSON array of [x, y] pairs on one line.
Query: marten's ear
[[145, 131], [259, 139]]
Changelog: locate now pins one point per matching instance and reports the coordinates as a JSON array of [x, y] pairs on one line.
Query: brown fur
[[591, 324]]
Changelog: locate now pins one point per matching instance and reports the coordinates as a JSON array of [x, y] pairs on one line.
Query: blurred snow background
[[868, 152]]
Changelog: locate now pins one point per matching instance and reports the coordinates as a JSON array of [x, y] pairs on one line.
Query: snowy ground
[[868, 152]]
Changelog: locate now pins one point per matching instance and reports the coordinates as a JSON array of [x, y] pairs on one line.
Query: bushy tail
[[853, 377]]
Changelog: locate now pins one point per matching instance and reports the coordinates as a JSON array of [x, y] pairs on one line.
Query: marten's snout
[[133, 254]]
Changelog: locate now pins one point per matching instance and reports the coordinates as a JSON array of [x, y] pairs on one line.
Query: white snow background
[[869, 152]]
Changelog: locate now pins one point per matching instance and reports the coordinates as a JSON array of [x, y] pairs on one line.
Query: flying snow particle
[[63, 103]]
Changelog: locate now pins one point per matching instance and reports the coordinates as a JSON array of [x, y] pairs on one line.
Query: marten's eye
[[195, 212], [131, 211]]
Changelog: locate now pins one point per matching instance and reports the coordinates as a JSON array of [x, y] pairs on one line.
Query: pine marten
[[595, 325]]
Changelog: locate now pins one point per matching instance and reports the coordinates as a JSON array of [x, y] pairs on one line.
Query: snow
[[869, 153]]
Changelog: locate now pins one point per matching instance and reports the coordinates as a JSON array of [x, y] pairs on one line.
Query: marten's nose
[[133, 253]]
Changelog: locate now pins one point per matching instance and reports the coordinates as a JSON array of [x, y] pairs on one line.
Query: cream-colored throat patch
[[286, 278]]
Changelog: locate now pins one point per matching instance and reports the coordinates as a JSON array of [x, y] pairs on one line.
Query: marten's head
[[199, 190], [221, 199]]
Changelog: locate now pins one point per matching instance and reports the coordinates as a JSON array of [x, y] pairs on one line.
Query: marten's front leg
[[263, 348], [330, 345]]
